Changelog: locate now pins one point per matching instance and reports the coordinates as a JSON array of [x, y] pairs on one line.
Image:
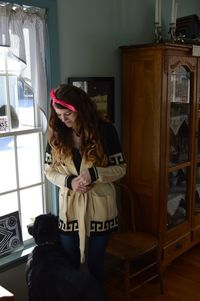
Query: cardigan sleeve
[[51, 173], [116, 168]]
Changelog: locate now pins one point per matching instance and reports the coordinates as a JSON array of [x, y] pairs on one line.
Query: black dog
[[49, 275]]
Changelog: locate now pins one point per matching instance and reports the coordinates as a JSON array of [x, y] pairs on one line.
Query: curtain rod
[[2, 3], [26, 8]]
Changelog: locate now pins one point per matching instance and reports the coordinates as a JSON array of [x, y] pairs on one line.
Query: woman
[[83, 158]]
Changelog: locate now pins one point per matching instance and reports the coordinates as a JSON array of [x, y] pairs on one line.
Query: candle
[[173, 12], [156, 11], [159, 12], [175, 15]]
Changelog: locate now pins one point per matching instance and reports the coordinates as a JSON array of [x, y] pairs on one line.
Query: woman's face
[[66, 116]]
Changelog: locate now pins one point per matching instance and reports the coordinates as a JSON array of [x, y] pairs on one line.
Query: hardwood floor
[[181, 282]]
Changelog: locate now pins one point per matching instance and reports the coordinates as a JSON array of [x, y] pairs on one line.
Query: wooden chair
[[133, 256]]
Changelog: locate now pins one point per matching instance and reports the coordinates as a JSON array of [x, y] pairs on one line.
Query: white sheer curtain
[[23, 30]]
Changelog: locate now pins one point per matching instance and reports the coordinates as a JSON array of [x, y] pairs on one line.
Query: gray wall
[[90, 33]]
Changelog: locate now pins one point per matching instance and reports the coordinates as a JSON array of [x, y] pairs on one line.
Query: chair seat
[[133, 257], [129, 245]]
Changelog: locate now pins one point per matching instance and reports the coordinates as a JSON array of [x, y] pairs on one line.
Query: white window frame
[[18, 132]]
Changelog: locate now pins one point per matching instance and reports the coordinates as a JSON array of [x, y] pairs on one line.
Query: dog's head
[[44, 229]]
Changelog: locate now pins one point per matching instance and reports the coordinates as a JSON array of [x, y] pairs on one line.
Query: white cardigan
[[96, 210]]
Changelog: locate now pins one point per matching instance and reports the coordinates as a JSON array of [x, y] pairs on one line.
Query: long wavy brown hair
[[87, 123]]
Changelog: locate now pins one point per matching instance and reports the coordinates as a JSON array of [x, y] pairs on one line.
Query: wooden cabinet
[[161, 141]]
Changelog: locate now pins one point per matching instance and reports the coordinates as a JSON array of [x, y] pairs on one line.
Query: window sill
[[15, 258]]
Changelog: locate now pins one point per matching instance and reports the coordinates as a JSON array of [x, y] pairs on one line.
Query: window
[[21, 137], [21, 175]]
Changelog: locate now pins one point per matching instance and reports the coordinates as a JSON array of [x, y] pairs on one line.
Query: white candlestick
[[173, 12], [159, 12], [156, 11]]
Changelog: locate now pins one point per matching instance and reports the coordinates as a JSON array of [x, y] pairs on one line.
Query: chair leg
[[160, 272], [161, 279], [127, 279]]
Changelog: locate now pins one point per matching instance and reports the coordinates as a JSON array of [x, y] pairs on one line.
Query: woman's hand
[[79, 185], [85, 177]]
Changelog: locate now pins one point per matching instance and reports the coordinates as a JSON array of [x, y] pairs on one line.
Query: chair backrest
[[125, 204]]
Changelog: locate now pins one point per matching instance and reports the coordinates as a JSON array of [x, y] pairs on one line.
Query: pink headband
[[61, 102]]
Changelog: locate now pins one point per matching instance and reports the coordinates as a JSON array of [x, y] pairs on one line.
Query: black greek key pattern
[[69, 226], [104, 226], [116, 159], [48, 158], [95, 227]]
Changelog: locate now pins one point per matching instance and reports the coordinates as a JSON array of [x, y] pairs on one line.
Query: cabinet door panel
[[197, 191], [198, 136], [177, 247], [180, 121], [196, 235], [181, 102], [177, 197]]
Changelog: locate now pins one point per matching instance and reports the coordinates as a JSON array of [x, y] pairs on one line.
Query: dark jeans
[[96, 246]]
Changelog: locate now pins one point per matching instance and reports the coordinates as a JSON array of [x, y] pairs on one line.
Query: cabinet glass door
[[198, 136], [179, 145], [179, 116], [197, 191], [177, 204]]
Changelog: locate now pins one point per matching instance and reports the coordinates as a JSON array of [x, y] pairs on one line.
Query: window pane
[[28, 152], [3, 127], [26, 104], [31, 206], [13, 100], [2, 90], [7, 163], [8, 203], [21, 102], [2, 59], [13, 64], [9, 111]]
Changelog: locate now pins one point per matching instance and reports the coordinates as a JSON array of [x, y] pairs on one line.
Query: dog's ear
[[30, 228], [45, 228]]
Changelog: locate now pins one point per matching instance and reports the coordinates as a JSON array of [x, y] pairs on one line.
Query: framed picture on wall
[[10, 233], [100, 90]]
